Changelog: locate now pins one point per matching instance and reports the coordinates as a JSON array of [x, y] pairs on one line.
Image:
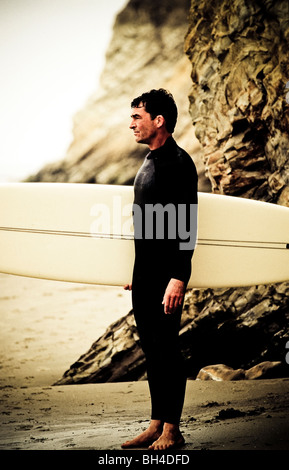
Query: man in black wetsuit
[[165, 229]]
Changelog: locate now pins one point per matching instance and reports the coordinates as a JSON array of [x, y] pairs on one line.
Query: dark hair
[[159, 102]]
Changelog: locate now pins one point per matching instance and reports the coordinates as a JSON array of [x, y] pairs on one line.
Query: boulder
[[221, 372], [265, 370]]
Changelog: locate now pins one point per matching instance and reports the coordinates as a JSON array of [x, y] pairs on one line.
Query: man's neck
[[159, 141]]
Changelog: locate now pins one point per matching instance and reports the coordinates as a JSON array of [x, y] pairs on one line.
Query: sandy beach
[[46, 326]]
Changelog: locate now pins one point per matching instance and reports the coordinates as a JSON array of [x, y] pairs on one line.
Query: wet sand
[[46, 326], [217, 416]]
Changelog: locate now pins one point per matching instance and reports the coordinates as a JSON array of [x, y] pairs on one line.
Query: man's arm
[[178, 184]]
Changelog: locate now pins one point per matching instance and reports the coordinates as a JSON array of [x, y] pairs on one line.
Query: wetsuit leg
[[159, 336]]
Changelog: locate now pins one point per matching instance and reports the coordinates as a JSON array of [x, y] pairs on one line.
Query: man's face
[[144, 128]]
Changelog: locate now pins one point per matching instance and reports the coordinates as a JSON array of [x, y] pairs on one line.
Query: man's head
[[154, 116]]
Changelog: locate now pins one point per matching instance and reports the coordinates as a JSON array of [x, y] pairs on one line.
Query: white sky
[[51, 55]]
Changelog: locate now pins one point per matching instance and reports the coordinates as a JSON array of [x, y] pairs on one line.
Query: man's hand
[[174, 295], [127, 287]]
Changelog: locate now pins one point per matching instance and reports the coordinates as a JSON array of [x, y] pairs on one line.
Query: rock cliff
[[240, 66], [238, 61], [146, 51]]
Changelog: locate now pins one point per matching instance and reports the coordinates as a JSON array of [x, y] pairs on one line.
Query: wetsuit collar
[[162, 151]]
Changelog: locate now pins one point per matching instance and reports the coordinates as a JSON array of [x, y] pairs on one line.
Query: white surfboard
[[83, 233]]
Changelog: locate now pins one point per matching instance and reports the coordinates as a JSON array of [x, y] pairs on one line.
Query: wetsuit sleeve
[[176, 181]]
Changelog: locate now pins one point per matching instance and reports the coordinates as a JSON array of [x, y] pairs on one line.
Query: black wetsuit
[[167, 176]]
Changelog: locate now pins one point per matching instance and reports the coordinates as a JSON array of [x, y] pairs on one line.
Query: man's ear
[[160, 120]]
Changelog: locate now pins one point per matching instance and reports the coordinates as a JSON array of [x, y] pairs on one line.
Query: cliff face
[[240, 66], [146, 51]]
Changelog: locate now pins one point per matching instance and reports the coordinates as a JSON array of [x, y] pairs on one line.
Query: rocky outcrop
[[237, 327], [146, 51], [240, 328], [240, 66], [114, 357]]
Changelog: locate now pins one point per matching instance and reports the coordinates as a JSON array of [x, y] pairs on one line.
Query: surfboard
[[84, 233]]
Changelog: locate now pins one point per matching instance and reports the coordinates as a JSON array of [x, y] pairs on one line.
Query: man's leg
[[166, 370], [168, 382], [166, 375]]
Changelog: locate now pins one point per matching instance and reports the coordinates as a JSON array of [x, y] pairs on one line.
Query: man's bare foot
[[171, 437], [150, 435]]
